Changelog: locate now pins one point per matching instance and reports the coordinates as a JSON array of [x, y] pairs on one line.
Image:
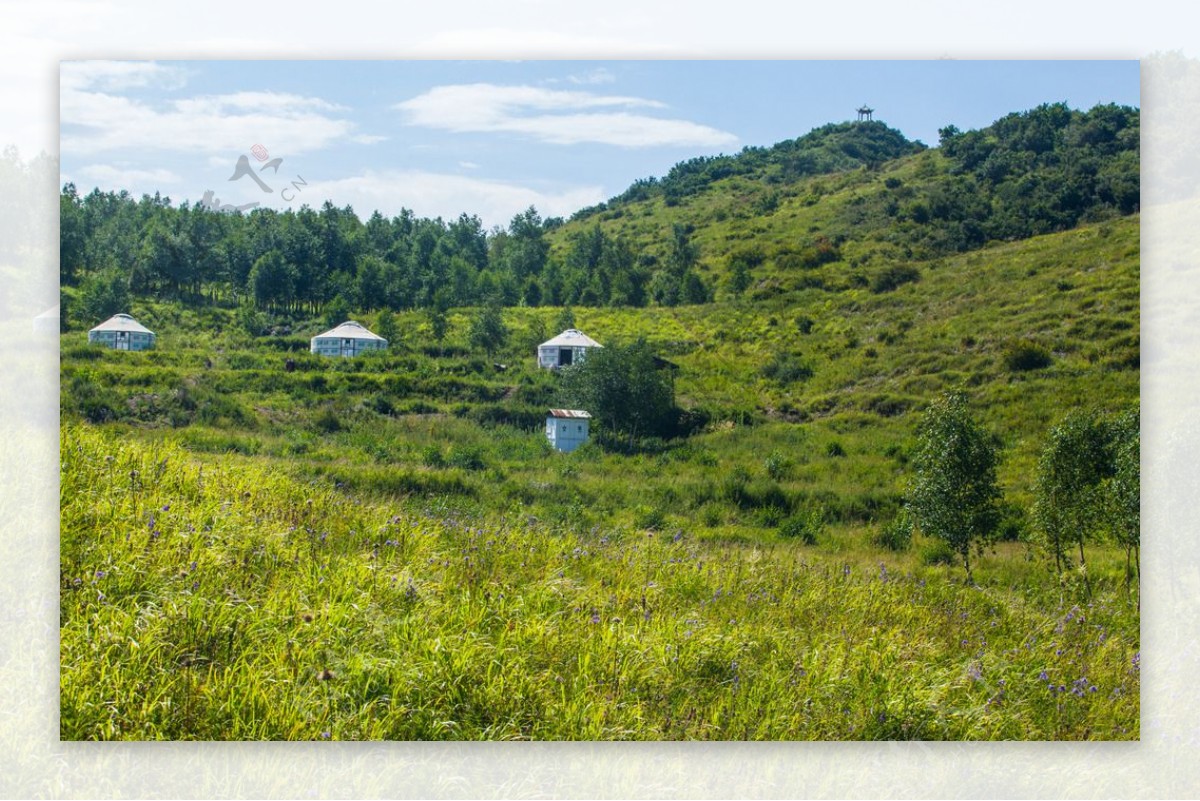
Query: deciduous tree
[[953, 495]]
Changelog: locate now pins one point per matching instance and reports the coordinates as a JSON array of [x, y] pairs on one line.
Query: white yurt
[[567, 429], [122, 332], [567, 348], [348, 339]]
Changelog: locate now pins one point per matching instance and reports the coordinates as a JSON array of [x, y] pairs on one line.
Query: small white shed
[[567, 429], [567, 348], [122, 332], [348, 339]]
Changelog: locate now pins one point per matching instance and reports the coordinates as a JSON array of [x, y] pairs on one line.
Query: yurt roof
[[350, 330], [570, 413], [571, 338], [122, 322]]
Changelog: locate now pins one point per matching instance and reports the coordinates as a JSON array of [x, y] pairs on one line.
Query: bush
[[327, 422], [380, 403], [432, 457], [894, 276], [468, 457], [806, 526], [712, 514], [650, 519], [896, 535], [778, 466], [835, 450], [937, 552], [1026, 355], [787, 368], [1014, 524]]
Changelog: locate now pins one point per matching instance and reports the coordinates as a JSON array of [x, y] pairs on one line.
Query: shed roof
[[570, 413], [122, 322], [350, 330], [571, 338]]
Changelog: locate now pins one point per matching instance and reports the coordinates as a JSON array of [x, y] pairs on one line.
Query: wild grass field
[[236, 603], [386, 547]]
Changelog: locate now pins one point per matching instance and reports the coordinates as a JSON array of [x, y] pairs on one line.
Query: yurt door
[[122, 340]]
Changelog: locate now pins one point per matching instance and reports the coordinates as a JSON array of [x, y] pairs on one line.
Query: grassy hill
[[386, 546], [823, 372]]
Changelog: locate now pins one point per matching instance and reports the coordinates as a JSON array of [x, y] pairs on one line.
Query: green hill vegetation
[[747, 569]]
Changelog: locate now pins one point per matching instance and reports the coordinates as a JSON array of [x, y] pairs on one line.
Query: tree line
[[113, 246]]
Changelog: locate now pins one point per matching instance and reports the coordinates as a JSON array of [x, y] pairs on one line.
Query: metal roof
[[350, 330], [571, 338], [570, 413], [122, 322]]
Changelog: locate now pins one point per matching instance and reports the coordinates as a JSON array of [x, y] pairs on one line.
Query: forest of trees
[[303, 260]]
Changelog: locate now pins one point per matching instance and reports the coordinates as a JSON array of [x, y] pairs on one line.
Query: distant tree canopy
[[1043, 170], [299, 261], [830, 148], [623, 389]]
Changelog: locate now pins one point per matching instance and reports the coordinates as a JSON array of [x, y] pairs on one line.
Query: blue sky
[[494, 137]]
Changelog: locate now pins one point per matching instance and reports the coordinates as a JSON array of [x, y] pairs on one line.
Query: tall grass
[[228, 601]]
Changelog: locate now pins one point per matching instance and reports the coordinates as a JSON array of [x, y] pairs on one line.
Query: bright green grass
[[876, 360], [427, 465], [226, 601]]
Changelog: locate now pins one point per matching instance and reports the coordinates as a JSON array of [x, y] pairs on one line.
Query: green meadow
[[232, 532], [259, 543]]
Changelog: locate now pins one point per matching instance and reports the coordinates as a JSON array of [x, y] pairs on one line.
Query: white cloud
[[430, 194], [278, 102], [468, 165], [556, 116], [96, 118], [368, 139], [597, 76], [116, 76]]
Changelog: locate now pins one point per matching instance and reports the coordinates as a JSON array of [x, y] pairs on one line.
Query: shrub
[[896, 535], [787, 368], [778, 466], [468, 457], [711, 515], [937, 552], [380, 403], [432, 457], [651, 519], [1014, 524], [1026, 355], [835, 449], [807, 526], [327, 422], [894, 276]]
